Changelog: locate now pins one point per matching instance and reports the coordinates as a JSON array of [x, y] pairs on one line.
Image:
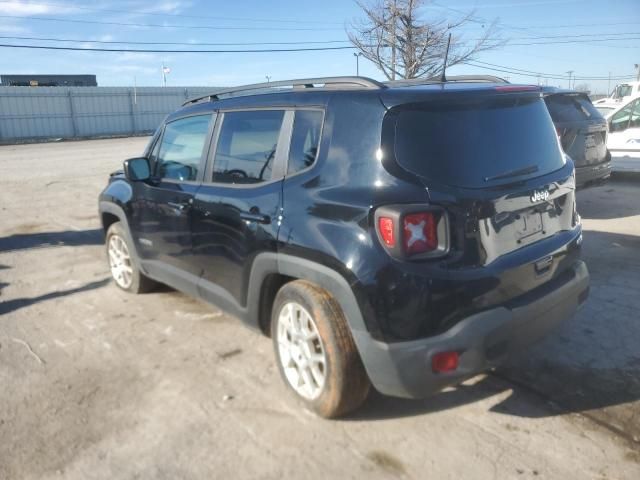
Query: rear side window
[[247, 146], [180, 149], [305, 140], [470, 143], [571, 108]]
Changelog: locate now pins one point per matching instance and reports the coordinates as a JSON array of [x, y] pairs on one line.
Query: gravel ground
[[95, 383]]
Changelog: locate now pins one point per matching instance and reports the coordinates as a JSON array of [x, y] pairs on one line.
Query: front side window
[[635, 116], [181, 148], [305, 140], [620, 120], [246, 147]]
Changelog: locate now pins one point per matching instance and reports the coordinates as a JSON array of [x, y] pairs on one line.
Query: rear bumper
[[483, 340], [593, 173]]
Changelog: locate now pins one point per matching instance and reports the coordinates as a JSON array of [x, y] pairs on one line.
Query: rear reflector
[[444, 362], [420, 232], [385, 226]]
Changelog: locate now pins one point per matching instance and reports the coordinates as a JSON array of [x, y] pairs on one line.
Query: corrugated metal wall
[[75, 112]]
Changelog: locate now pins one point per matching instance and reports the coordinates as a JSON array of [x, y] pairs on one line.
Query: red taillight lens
[[445, 362], [420, 232], [385, 226]]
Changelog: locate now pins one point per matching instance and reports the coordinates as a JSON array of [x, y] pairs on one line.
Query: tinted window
[[620, 120], [247, 146], [305, 140], [570, 108], [464, 143], [181, 148]]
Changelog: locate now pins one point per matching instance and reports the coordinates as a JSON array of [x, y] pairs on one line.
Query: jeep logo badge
[[539, 196]]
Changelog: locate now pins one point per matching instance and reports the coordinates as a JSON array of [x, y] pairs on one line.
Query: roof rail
[[451, 79], [299, 83]]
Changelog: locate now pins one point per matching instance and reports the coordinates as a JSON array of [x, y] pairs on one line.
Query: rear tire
[[315, 352], [122, 262]]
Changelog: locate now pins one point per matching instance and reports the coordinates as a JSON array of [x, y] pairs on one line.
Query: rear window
[[467, 144], [571, 108]]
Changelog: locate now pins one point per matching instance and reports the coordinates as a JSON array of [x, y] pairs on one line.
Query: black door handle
[[255, 217]]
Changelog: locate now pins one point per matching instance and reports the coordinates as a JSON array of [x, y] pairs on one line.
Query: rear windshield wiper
[[513, 173]]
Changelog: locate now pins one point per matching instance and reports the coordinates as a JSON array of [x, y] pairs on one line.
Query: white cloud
[[16, 7]]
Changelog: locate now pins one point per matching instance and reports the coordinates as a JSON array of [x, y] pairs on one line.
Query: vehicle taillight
[[420, 233], [413, 231], [386, 228]]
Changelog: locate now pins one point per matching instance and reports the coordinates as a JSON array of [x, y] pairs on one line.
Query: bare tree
[[403, 45]]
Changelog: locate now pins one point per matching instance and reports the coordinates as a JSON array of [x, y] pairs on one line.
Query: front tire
[[315, 351], [122, 263]]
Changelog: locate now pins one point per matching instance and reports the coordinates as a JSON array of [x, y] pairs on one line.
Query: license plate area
[[529, 223]]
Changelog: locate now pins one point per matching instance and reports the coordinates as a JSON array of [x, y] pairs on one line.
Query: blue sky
[[520, 22]]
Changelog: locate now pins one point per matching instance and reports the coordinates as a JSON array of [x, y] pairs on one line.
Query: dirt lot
[[95, 383]]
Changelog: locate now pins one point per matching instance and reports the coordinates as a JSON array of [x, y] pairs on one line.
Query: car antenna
[[443, 77]]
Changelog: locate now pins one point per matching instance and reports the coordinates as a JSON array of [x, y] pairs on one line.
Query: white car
[[621, 93], [623, 119]]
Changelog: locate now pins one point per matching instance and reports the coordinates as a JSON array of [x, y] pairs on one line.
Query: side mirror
[[137, 169]]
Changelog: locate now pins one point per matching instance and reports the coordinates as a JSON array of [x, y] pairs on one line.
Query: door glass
[[181, 148], [620, 121], [305, 140], [247, 146], [635, 116]]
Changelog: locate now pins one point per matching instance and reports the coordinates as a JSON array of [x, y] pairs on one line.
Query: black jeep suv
[[402, 235]]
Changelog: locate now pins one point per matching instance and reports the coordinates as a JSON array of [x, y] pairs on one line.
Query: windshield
[[605, 110], [464, 144], [622, 91]]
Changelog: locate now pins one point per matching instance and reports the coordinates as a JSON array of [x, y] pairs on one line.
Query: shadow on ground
[[17, 303], [609, 201], [590, 365], [71, 238]]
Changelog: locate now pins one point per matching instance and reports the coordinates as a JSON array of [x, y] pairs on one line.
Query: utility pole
[[268, 77], [165, 70], [570, 72], [357, 55]]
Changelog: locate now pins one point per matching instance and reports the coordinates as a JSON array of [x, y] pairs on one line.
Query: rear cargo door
[[494, 162], [580, 127]]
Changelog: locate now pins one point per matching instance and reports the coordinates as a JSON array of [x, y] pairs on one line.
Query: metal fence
[[31, 113]]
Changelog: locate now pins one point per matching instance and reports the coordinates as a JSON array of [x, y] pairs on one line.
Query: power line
[[310, 42], [162, 25], [534, 73], [172, 14], [193, 44], [150, 50], [477, 64], [594, 41], [541, 75], [133, 50]]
